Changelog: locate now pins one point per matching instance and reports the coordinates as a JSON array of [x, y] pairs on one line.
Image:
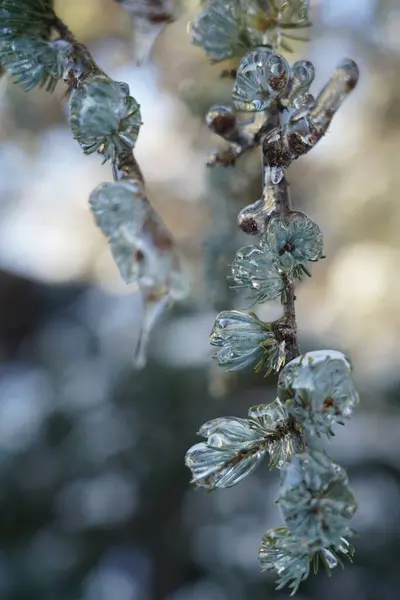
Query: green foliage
[[26, 17], [104, 118], [315, 391], [33, 62], [227, 28], [219, 31]]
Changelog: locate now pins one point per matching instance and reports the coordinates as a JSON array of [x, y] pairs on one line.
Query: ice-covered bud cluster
[[104, 117], [291, 559], [244, 340], [262, 77], [295, 238], [227, 28], [315, 499], [265, 80], [307, 125], [288, 243], [235, 446], [257, 271], [318, 390]]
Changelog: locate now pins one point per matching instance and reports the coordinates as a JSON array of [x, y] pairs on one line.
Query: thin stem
[[289, 311], [125, 166], [279, 195], [82, 63]]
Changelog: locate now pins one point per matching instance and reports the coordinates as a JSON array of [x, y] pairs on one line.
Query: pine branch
[[124, 165], [106, 119], [315, 391]]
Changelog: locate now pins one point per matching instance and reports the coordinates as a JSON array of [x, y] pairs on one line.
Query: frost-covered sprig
[[104, 117], [243, 340], [292, 560], [315, 499], [315, 390], [318, 390], [33, 62], [290, 240], [295, 238], [224, 29], [265, 80], [235, 446], [257, 271], [26, 17]]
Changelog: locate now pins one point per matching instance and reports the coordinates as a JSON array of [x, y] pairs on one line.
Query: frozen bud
[[310, 122], [318, 390], [256, 270], [253, 219], [104, 118], [262, 77], [233, 449], [298, 95], [283, 145], [295, 238], [244, 340], [222, 121], [315, 499]]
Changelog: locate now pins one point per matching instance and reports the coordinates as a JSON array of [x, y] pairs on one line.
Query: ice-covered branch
[[315, 390]]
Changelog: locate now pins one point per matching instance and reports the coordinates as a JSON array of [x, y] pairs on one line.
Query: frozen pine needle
[[243, 340]]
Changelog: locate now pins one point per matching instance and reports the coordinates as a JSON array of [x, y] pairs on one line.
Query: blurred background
[[95, 501]]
